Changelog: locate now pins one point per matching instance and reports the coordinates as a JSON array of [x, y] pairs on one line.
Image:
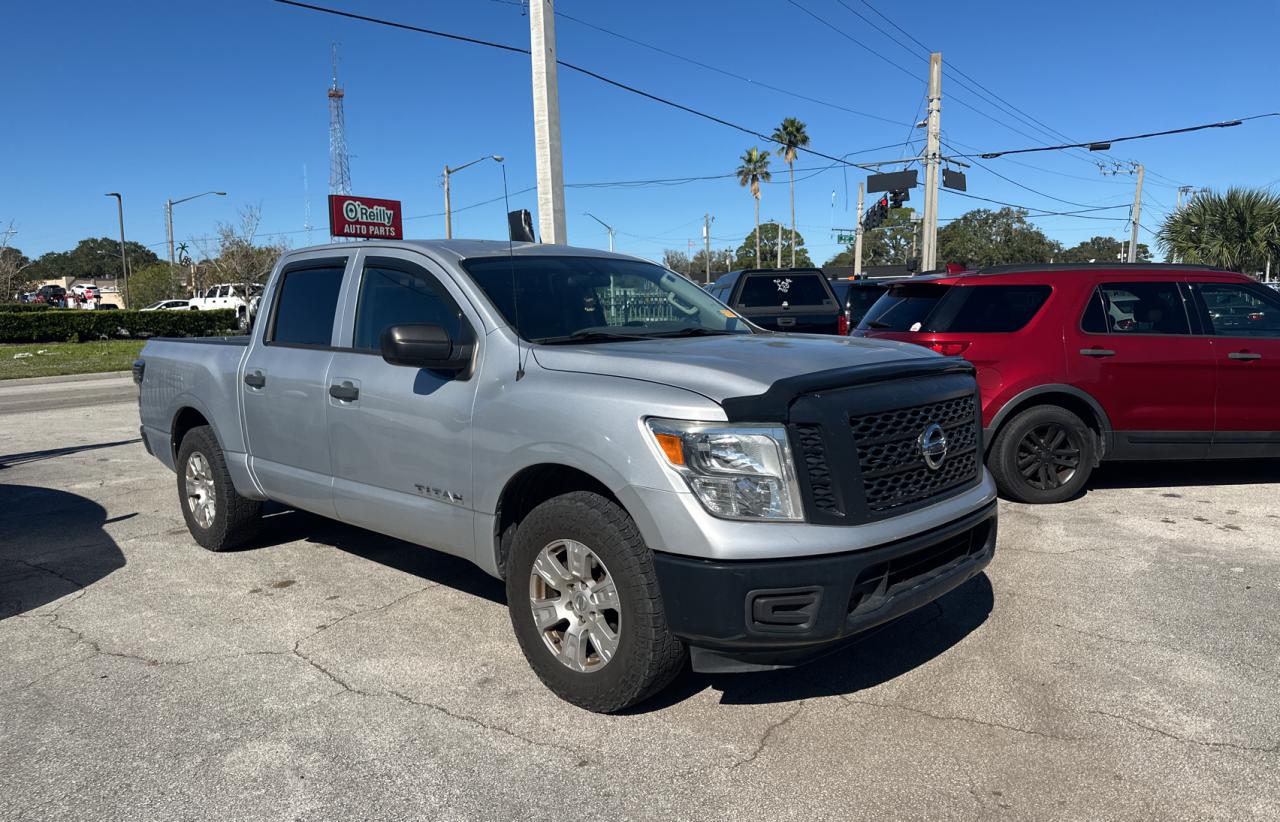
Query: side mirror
[[425, 346]]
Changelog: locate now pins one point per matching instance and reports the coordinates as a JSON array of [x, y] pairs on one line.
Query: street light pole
[[448, 208], [168, 218], [607, 227], [124, 258]]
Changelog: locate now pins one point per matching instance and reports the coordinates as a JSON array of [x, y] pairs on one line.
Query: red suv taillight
[[842, 326], [948, 349]]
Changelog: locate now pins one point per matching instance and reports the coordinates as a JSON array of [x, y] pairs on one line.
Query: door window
[[1136, 309], [1240, 311], [393, 292], [305, 306]]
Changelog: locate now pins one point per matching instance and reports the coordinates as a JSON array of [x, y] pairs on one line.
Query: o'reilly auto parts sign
[[364, 217]]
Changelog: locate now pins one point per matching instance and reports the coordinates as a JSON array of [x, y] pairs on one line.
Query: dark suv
[[51, 294], [857, 297], [1079, 363], [798, 300]]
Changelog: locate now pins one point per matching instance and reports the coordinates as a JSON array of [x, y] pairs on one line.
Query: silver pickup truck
[[655, 478]]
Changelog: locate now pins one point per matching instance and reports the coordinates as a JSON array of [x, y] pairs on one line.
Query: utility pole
[[546, 121], [706, 243], [932, 159], [124, 259], [857, 237], [1137, 215]]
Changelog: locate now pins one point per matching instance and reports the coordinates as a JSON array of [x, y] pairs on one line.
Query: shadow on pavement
[[51, 544], [878, 656], [1173, 474], [10, 460], [281, 525]]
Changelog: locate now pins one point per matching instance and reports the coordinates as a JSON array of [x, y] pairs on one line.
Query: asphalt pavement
[[1120, 659]]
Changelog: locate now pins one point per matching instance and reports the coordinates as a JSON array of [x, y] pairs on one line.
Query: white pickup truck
[[228, 295]]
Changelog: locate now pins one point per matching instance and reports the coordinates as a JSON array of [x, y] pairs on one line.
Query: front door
[[1134, 351], [1245, 322], [400, 437], [285, 388]]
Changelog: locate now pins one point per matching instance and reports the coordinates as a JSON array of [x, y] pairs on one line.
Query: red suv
[[1081, 363]]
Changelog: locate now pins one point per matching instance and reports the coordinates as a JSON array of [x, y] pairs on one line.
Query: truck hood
[[725, 366]]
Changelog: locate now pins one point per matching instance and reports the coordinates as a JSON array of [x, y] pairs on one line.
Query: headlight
[[735, 471]]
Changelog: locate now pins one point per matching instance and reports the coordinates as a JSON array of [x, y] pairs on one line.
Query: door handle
[[1097, 352], [787, 321], [1243, 355], [345, 392], [255, 380]]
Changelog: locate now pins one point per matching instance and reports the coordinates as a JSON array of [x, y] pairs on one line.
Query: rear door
[[285, 392], [400, 437], [798, 302], [1245, 322], [1134, 351]]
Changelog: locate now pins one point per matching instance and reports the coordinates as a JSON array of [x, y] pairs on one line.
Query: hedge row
[[24, 307], [81, 326]]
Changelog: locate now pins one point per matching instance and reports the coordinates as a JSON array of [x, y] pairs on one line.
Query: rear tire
[[217, 516], [599, 638], [1045, 454]]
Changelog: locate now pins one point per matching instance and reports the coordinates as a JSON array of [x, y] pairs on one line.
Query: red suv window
[[946, 309], [1136, 308]]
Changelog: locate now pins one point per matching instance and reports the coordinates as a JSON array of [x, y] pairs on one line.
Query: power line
[[1023, 186], [989, 155], [1081, 214], [725, 72], [572, 67]]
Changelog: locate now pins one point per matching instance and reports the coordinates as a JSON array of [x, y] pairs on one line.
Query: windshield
[[903, 308], [598, 299]]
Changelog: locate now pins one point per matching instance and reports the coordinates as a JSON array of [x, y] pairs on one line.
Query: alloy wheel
[[1048, 456], [202, 498], [575, 604]]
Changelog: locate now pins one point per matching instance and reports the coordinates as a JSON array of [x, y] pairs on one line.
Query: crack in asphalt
[[763, 742], [965, 719], [1188, 740], [1151, 643]]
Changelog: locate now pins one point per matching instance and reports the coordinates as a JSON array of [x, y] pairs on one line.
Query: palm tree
[[1239, 230], [791, 136], [753, 171]]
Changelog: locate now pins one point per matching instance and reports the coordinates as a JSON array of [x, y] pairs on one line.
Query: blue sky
[[167, 99]]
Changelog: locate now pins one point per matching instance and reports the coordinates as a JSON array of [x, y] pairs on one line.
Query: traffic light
[[876, 214], [898, 197]]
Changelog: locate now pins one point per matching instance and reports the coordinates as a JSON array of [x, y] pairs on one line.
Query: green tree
[[983, 237], [766, 238], [13, 266], [93, 258], [1239, 230], [791, 136], [1103, 250], [752, 171], [153, 283]]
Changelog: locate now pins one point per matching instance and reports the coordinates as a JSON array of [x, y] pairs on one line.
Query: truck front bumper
[[751, 615]]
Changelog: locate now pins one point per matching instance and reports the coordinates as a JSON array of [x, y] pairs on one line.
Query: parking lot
[[1119, 659]]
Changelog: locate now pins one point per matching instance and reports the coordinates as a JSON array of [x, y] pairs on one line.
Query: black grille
[[893, 469], [814, 456]]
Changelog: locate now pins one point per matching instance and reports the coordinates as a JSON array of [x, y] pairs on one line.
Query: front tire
[[217, 516], [1045, 454], [585, 605]]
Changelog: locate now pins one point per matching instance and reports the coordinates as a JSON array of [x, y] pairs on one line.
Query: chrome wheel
[[575, 605], [202, 499], [1048, 456]]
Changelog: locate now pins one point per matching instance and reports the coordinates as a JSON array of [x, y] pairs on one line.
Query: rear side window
[[904, 307], [393, 293], [306, 305], [772, 290], [987, 309], [1136, 309], [1241, 311]]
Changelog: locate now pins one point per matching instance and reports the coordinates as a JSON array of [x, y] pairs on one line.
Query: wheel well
[[1076, 405], [186, 419], [530, 488]]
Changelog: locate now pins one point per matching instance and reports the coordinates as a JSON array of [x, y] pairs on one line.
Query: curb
[[102, 375]]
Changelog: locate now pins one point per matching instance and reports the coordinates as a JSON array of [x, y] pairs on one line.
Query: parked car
[[168, 305], [51, 294], [650, 488], [86, 292], [798, 300], [856, 296], [1079, 364], [229, 295]]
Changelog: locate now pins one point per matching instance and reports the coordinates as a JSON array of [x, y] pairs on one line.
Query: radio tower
[[339, 171]]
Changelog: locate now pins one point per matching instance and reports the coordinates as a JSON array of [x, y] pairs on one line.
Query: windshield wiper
[[878, 324], [588, 336], [692, 331]]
